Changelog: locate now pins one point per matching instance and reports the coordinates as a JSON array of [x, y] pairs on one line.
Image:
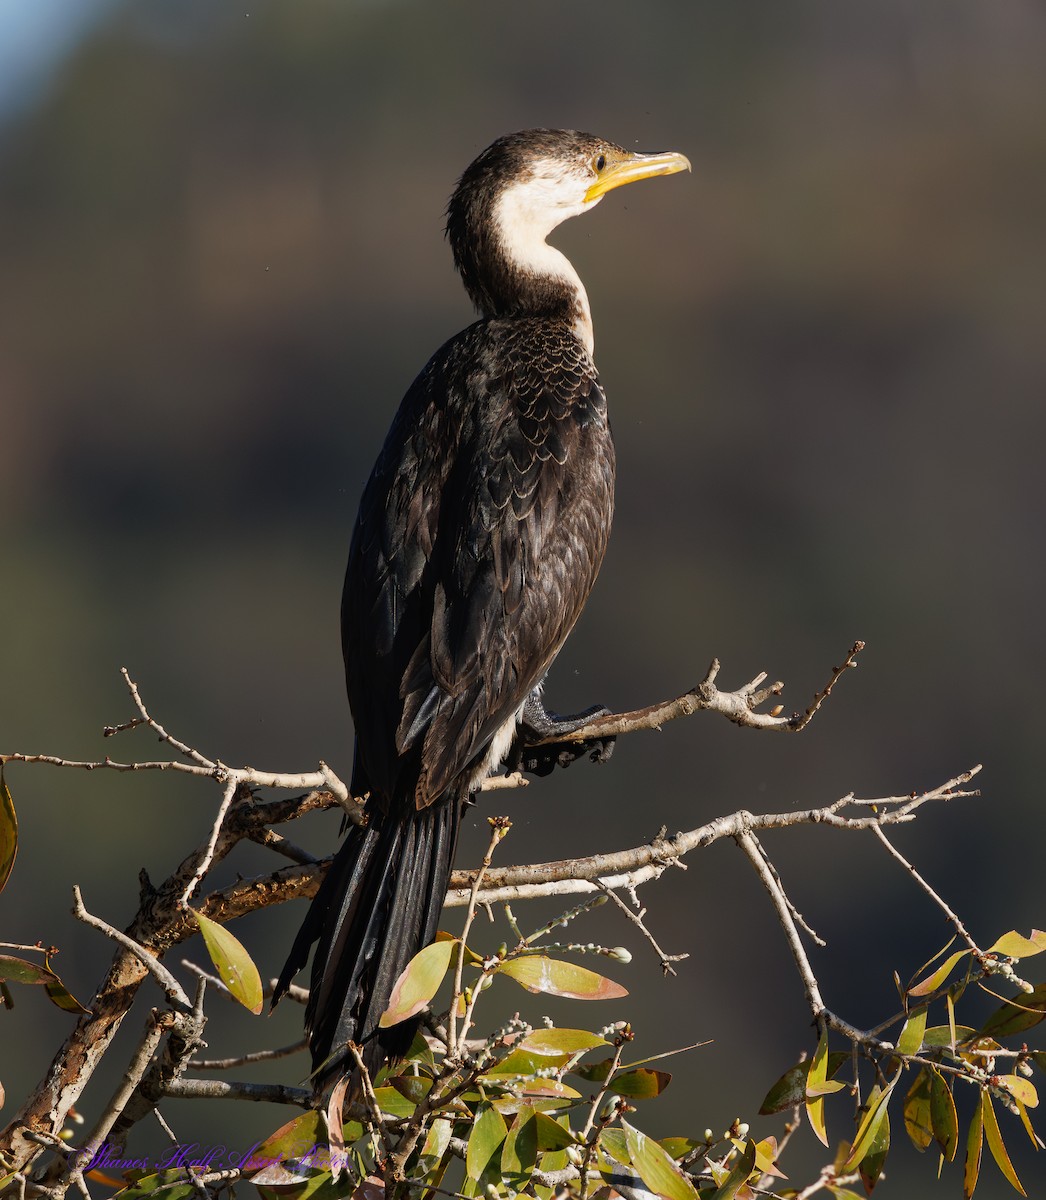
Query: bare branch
[[191, 754], [770, 880], [184, 1038], [950, 913], [630, 868], [497, 783], [154, 1029], [637, 919], [499, 827], [199, 764], [822, 696], [171, 986], [243, 1060], [738, 706], [220, 1089], [204, 865], [276, 841]]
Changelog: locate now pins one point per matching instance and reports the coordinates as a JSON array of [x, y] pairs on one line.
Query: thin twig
[[156, 1025], [949, 912], [369, 1098], [207, 857], [637, 919], [797, 916], [282, 845], [193, 755], [822, 696], [243, 1060], [171, 986], [499, 827], [780, 901], [192, 1171]]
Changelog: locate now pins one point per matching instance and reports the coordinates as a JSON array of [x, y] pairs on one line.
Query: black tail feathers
[[378, 906]]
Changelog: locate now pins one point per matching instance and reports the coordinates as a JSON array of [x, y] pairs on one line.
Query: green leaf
[[911, 1036], [993, 1136], [523, 1062], [437, 1140], [319, 1186], [488, 1134], [656, 1169], [676, 1147], [1013, 945], [234, 965], [62, 998], [949, 1001], [790, 1089], [1022, 1112], [551, 1135], [972, 1166], [20, 970], [815, 1082], [414, 1087], [594, 1072], [419, 982], [8, 831], [1015, 1016], [1020, 1089], [288, 1143], [394, 1102], [159, 1185], [615, 1143], [917, 1119], [738, 1176], [557, 978], [828, 1088], [871, 1166], [561, 1041], [941, 1035], [932, 982], [943, 1118], [766, 1155], [643, 1084], [548, 1087], [519, 1154], [868, 1130]]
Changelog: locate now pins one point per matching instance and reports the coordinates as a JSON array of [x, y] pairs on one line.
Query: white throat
[[524, 215]]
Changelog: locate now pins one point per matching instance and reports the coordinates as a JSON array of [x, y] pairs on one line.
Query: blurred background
[[222, 263]]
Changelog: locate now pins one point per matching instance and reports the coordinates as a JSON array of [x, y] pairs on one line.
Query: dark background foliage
[[222, 264]]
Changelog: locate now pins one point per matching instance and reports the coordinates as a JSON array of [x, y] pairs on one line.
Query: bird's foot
[[536, 754]]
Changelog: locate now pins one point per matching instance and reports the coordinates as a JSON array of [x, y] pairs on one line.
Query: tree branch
[[738, 706], [629, 868], [172, 988], [220, 1089]]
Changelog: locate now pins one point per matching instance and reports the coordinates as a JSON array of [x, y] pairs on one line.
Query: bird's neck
[[513, 272]]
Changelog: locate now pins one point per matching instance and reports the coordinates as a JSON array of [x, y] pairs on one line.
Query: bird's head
[[524, 185]]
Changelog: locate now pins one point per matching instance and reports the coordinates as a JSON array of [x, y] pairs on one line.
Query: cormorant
[[478, 539]]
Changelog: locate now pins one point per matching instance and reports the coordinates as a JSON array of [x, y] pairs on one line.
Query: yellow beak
[[630, 167]]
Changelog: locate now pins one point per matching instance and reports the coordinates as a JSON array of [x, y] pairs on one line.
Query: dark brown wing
[[479, 538]]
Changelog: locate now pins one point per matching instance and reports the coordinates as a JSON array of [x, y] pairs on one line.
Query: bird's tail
[[377, 907]]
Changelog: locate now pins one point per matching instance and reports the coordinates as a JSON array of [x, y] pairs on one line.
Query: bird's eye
[[599, 162]]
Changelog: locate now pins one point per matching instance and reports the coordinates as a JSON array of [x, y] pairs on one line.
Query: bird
[[479, 536]]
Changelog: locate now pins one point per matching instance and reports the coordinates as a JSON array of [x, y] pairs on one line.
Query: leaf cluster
[[935, 1062]]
